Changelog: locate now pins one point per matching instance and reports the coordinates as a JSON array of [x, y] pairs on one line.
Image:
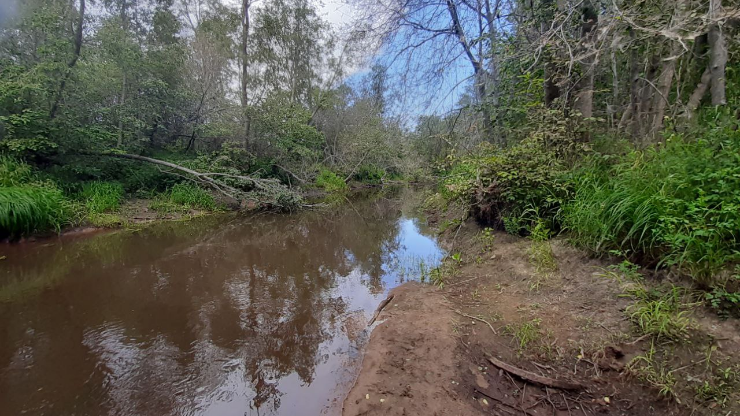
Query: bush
[[369, 174], [27, 209], [677, 204], [518, 185], [330, 181], [102, 197]]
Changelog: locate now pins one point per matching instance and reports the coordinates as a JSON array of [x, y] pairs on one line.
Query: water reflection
[[260, 315]]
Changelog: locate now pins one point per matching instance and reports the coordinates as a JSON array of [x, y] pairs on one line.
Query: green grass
[[183, 197], [661, 315], [100, 197], [191, 196], [525, 333], [677, 204], [28, 209], [14, 172]]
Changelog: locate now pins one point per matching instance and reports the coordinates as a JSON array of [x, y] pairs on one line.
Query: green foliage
[[656, 374], [725, 299], [661, 315], [100, 197], [14, 172], [678, 203], [525, 333], [330, 181], [191, 196], [370, 174], [514, 187], [183, 197], [487, 238], [26, 209]]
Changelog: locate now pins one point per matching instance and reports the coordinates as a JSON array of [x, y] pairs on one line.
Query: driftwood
[[535, 378], [382, 305]]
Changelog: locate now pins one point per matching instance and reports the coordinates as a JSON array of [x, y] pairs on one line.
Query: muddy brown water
[[228, 315]]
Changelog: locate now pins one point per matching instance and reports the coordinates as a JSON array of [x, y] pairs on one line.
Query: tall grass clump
[[27, 204], [100, 197], [677, 204], [26, 209], [191, 196], [183, 197]]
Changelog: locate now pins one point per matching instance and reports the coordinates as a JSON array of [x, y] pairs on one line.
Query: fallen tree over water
[[242, 189]]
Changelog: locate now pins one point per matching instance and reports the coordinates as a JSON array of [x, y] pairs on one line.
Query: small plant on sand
[[541, 255], [661, 315], [525, 333], [719, 389], [487, 237], [625, 270], [655, 374]]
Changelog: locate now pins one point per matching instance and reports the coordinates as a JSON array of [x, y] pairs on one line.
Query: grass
[[183, 197], [525, 333], [675, 204], [656, 374], [100, 197], [28, 208], [541, 255], [661, 315]]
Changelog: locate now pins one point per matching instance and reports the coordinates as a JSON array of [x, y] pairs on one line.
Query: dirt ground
[[428, 355]]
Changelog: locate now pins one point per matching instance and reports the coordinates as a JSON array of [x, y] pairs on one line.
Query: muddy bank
[[566, 321], [410, 365]]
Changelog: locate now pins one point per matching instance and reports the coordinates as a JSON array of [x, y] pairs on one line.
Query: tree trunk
[[698, 94], [718, 57], [246, 4], [584, 99], [660, 96], [119, 144], [72, 62], [479, 73]]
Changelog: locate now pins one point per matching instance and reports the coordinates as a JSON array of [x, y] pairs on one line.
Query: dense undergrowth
[[34, 201], [674, 205]]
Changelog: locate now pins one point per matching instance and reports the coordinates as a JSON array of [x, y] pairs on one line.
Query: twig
[[382, 305], [478, 319]]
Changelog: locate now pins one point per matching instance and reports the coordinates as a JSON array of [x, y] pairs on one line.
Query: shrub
[[519, 184], [102, 197], [27, 209], [330, 181], [371, 174], [677, 204]]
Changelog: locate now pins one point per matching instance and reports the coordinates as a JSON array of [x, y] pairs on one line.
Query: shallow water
[[223, 315]]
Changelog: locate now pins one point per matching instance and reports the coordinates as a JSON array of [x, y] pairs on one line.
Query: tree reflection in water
[[229, 315]]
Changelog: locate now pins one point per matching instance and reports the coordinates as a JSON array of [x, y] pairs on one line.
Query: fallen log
[[535, 378], [270, 186]]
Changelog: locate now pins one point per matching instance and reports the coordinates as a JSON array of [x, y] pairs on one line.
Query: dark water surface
[[217, 316]]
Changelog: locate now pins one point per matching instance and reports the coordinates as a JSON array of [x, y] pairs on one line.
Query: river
[[223, 315]]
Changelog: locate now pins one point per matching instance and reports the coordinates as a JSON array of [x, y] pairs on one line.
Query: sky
[[415, 103]]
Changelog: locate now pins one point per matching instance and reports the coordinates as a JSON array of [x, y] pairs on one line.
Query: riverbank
[[551, 311]]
